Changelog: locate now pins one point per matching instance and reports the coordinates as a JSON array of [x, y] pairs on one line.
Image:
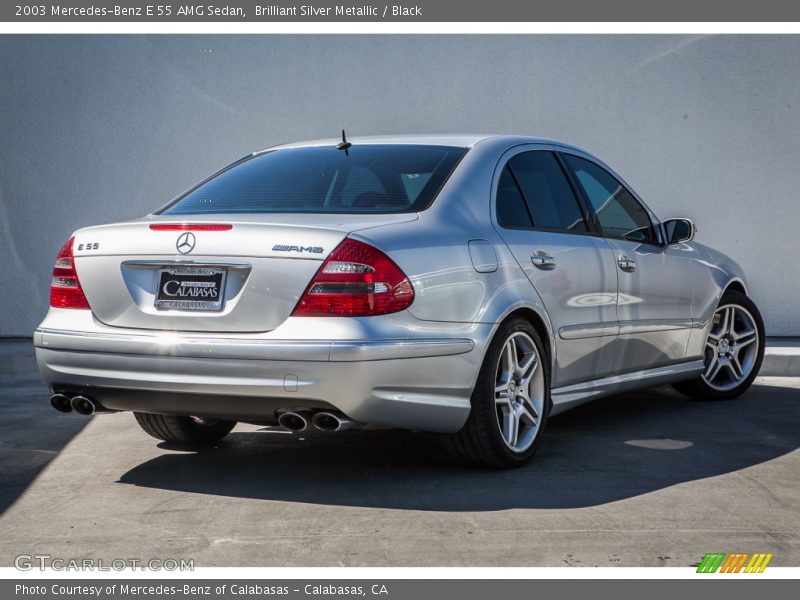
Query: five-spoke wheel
[[510, 401], [519, 391], [733, 352], [731, 348]]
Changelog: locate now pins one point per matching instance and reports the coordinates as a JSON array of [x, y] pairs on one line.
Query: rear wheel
[[510, 401], [190, 431], [733, 352]]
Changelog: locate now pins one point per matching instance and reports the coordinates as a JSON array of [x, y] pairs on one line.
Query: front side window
[[620, 215], [370, 178]]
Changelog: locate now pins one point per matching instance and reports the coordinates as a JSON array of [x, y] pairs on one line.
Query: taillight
[[356, 280], [65, 291]]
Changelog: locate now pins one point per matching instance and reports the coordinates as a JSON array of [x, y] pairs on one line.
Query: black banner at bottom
[[394, 589]]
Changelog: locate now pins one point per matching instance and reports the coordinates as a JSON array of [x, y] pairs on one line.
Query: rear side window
[[547, 191], [511, 210], [369, 179], [620, 215]]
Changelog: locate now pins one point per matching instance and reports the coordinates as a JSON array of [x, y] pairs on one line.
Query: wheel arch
[[736, 284], [541, 324], [541, 327], [536, 316]]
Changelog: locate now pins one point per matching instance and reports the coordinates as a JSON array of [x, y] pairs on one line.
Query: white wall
[[96, 129]]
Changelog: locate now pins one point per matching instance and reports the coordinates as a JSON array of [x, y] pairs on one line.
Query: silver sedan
[[471, 286]]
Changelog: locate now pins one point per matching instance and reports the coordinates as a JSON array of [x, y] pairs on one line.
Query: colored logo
[[738, 562]]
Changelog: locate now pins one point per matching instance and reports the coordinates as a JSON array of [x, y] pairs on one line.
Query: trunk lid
[[137, 277]]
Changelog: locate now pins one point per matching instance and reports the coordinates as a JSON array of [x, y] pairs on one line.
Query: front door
[[654, 304]]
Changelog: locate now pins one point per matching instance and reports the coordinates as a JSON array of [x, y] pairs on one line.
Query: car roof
[[454, 140]]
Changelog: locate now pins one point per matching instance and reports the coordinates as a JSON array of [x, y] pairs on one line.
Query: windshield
[[365, 179]]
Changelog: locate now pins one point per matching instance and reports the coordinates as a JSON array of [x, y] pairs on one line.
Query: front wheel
[[510, 401], [733, 352], [188, 431]]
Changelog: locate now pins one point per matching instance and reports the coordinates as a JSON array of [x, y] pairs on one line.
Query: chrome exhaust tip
[[328, 421], [61, 403], [83, 405], [296, 421]]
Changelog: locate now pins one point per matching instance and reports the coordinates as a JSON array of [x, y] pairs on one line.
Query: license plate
[[191, 288]]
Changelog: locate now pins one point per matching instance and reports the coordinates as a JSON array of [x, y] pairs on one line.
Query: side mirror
[[679, 230]]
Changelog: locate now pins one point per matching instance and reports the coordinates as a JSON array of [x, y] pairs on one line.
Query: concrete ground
[[641, 479]]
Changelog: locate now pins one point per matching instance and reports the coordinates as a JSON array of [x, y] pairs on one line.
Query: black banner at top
[[399, 11]]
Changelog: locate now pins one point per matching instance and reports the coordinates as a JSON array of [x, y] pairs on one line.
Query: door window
[[547, 191], [511, 210], [620, 215]]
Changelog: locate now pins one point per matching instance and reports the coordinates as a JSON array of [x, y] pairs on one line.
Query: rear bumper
[[422, 384], [187, 346]]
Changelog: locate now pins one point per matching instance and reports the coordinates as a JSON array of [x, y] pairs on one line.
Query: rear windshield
[[367, 179]]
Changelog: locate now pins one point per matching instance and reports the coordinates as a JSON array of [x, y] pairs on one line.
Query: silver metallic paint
[[411, 369]]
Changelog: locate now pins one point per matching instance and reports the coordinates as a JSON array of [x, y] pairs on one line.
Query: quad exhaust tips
[[328, 421], [61, 403]]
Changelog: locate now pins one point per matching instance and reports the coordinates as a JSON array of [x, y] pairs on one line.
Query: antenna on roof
[[344, 144]]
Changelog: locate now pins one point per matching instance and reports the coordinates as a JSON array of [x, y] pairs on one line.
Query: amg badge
[[309, 249]]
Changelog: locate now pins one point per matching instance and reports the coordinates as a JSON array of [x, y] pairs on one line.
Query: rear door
[[654, 306], [544, 225]]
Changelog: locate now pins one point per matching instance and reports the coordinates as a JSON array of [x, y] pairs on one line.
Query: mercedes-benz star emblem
[[185, 243]]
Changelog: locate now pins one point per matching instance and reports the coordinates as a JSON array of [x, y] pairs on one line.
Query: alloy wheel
[[731, 348], [519, 392]]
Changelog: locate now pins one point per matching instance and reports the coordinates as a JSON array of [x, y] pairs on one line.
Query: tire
[[189, 431], [725, 384], [482, 441]]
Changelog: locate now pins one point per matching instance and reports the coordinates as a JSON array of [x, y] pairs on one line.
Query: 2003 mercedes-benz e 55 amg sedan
[[471, 286]]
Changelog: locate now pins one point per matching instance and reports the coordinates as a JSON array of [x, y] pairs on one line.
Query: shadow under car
[[609, 450]]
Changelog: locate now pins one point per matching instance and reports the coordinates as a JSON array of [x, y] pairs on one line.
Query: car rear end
[[262, 291]]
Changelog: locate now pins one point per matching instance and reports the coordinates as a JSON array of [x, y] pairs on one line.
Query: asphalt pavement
[[642, 479]]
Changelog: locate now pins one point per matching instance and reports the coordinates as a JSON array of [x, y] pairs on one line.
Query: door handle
[[542, 260], [626, 264]]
